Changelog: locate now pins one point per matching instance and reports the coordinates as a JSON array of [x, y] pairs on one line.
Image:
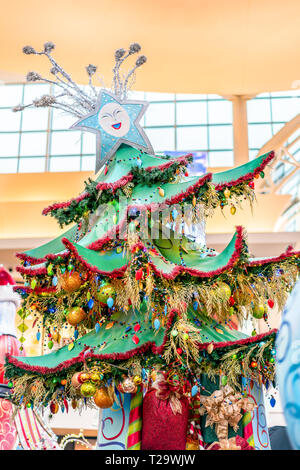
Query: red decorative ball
[[231, 301], [179, 351], [251, 184], [271, 303]]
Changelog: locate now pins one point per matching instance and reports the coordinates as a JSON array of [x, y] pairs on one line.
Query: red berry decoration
[[271, 303], [251, 184], [231, 301], [179, 351], [253, 365]]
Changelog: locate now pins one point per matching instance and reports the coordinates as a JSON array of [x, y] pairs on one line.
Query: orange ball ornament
[[75, 380], [75, 316], [102, 398], [71, 282]]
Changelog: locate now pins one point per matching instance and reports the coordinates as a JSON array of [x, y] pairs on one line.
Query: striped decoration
[[195, 420], [33, 434], [8, 345], [248, 429], [134, 435]]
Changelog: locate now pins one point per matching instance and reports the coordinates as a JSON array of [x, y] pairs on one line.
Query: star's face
[[114, 119]]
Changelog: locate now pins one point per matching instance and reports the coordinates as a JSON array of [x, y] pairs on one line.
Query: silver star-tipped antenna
[[73, 99]]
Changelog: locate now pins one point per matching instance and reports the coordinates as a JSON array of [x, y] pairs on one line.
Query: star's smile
[[117, 125]]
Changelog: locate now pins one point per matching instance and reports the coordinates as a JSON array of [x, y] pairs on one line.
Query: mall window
[[37, 140]]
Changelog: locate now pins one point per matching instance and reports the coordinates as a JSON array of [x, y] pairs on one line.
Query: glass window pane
[[34, 119], [65, 164], [219, 112], [259, 110], [32, 165], [259, 134], [159, 96], [65, 143], [88, 163], [161, 139], [10, 95], [160, 114], [220, 137], [62, 120], [8, 165], [33, 143], [33, 91], [191, 138], [188, 96], [284, 109], [220, 158], [191, 112], [89, 143], [9, 121], [9, 145]]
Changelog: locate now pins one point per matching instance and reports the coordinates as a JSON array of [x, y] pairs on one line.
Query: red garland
[[288, 254], [37, 290], [30, 271], [116, 185], [248, 176], [149, 346], [113, 274]]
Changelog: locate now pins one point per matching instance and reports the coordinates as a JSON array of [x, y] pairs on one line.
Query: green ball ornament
[[174, 333], [258, 311], [105, 291], [185, 336]]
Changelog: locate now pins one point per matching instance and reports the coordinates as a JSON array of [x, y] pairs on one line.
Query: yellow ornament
[[161, 192], [95, 377], [75, 316], [233, 210], [137, 380], [227, 193], [88, 389], [56, 336], [194, 202], [105, 291]]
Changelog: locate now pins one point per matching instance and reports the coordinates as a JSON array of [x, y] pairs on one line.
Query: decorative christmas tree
[[148, 308]]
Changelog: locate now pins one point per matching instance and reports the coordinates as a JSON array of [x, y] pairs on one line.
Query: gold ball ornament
[[95, 377], [75, 316], [71, 282], [102, 398], [232, 210], [137, 380], [88, 389], [84, 377], [224, 289]]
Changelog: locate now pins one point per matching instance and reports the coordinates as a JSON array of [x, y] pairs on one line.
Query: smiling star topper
[[115, 122], [109, 114]]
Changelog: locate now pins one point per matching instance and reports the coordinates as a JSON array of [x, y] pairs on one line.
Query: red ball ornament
[[253, 365], [251, 184], [179, 351], [231, 301], [271, 303]]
